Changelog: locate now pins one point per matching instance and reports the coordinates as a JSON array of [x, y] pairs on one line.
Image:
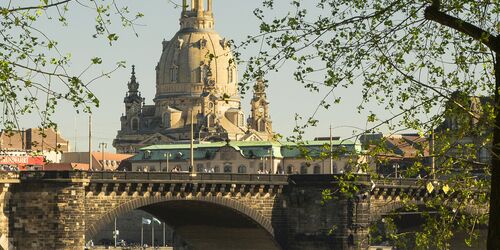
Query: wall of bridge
[[63, 210]]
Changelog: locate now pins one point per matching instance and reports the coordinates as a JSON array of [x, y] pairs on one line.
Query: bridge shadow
[[207, 225]]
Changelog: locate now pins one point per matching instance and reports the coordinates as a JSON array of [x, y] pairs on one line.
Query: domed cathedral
[[196, 83]]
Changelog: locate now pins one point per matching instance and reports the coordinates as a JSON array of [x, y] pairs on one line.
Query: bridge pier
[[341, 223], [46, 215]]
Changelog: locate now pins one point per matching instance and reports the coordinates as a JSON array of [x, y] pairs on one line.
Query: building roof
[[65, 166], [110, 156], [409, 146], [248, 149]]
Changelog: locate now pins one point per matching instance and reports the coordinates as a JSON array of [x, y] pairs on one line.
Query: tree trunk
[[494, 217]]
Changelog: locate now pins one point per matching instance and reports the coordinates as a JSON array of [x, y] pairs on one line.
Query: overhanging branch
[[36, 7], [434, 14]]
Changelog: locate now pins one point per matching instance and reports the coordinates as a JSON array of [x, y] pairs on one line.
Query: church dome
[[195, 55]]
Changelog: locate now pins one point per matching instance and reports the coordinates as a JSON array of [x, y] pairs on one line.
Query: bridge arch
[[242, 209]]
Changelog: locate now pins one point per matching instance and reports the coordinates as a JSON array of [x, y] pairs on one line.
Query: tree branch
[[39, 7], [433, 13]]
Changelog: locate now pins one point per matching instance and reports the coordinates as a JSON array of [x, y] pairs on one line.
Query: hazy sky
[[233, 19]]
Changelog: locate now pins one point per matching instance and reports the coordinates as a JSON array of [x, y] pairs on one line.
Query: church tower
[[133, 101], [196, 83], [260, 119]]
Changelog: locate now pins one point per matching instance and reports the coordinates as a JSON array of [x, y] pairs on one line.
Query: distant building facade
[[196, 84], [392, 155], [34, 141], [100, 161], [248, 157], [467, 131]]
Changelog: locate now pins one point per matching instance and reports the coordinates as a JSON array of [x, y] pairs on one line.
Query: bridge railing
[[158, 176], [185, 176], [407, 182]]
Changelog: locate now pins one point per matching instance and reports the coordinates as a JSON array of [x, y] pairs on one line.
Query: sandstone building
[[196, 84], [247, 157]]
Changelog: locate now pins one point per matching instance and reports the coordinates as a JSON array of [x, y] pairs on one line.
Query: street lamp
[[193, 171], [103, 146], [167, 156], [270, 154], [395, 166], [332, 170]]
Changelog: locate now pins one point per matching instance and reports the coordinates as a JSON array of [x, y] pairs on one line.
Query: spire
[[133, 85], [198, 16], [260, 120], [259, 89]]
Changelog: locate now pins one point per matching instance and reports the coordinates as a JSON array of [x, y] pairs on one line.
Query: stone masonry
[[62, 210]]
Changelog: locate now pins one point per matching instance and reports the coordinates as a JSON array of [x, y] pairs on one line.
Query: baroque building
[[196, 85], [252, 157]]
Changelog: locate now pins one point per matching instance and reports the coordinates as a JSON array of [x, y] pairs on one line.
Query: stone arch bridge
[[63, 210]]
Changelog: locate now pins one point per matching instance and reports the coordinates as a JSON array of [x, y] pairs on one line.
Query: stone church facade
[[196, 86]]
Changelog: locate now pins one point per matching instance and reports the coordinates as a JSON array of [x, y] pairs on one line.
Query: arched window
[[279, 170], [173, 73], [261, 125], [135, 124], [241, 120], [303, 169], [289, 169], [242, 169], [211, 120], [216, 169], [147, 154], [199, 168], [484, 155], [166, 120], [317, 169], [230, 74], [228, 169]]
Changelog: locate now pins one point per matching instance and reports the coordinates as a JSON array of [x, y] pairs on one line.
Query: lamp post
[[270, 154], [263, 164], [167, 156], [332, 170], [103, 146], [432, 152], [90, 142], [331, 151], [193, 171], [395, 166], [115, 233]]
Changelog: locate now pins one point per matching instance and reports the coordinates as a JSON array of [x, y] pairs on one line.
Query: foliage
[[34, 73], [430, 63]]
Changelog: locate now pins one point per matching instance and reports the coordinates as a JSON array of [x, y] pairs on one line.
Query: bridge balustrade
[[154, 176], [405, 182], [185, 176]]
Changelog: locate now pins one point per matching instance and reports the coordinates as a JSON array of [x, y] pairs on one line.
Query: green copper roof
[[248, 149]]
